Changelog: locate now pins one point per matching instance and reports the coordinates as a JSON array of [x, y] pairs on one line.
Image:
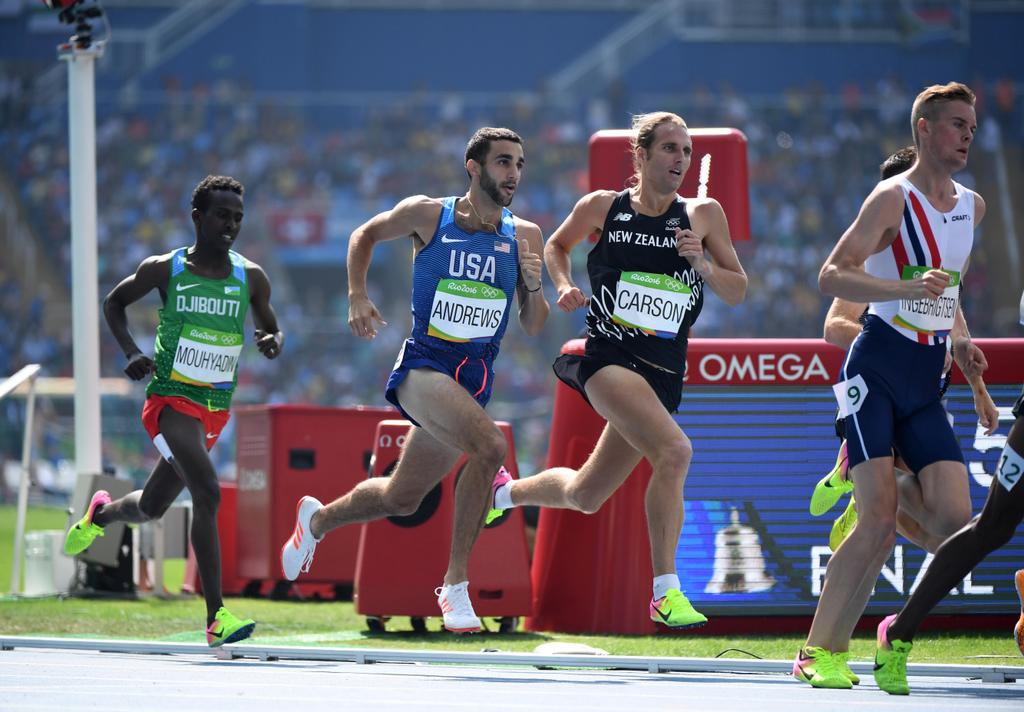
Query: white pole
[[84, 288], [26, 463]]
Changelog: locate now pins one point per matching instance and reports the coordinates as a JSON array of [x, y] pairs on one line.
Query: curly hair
[[201, 194]]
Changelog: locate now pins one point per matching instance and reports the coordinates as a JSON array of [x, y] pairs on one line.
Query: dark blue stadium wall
[[299, 48], [995, 49], [296, 48], [760, 68]]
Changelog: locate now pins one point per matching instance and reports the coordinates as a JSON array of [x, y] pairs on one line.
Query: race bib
[[925, 315], [464, 311], [850, 395], [654, 303], [1010, 470], [206, 357]]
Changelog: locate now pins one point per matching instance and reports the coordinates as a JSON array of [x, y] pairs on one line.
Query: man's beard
[[490, 186]]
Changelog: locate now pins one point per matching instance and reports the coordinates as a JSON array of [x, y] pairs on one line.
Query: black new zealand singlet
[[645, 296]]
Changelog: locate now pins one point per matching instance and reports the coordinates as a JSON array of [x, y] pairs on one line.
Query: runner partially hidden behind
[[206, 290], [655, 256]]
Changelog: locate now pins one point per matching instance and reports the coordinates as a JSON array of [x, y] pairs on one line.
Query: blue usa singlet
[[462, 286]]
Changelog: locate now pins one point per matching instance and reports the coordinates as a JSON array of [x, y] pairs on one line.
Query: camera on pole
[[77, 13]]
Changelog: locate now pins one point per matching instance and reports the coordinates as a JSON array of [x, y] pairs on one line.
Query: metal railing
[[28, 373]]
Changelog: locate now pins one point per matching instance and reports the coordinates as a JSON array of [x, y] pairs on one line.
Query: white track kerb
[[363, 656]]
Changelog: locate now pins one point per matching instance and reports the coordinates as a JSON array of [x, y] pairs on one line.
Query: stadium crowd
[[813, 156]]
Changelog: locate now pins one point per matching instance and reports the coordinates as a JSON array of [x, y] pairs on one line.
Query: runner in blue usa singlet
[[462, 288], [471, 256]]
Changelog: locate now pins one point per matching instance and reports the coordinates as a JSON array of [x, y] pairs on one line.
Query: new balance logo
[[445, 239], [183, 287], [623, 217]]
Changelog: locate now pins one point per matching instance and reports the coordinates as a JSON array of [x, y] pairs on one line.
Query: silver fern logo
[[602, 306]]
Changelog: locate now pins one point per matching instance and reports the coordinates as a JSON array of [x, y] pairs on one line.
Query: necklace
[[482, 221]]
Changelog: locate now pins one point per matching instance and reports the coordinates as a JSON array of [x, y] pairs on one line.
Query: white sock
[[503, 497], [662, 585]]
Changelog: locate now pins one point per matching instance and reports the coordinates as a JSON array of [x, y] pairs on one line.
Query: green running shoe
[[842, 526], [891, 661], [832, 486], [843, 663], [228, 628], [83, 532], [675, 611], [819, 667]]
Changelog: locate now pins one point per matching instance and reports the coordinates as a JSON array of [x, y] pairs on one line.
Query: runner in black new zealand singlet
[[645, 296]]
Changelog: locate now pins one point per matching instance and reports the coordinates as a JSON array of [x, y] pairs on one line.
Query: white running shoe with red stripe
[[297, 552], [457, 609]]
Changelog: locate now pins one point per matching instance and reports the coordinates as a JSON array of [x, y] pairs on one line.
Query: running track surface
[[58, 679]]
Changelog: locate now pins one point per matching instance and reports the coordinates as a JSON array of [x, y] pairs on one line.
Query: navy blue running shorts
[[888, 396], [476, 375]]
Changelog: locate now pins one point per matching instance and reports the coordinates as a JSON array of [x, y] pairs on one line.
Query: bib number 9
[[850, 395]]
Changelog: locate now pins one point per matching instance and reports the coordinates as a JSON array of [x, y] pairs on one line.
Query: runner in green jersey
[[206, 290]]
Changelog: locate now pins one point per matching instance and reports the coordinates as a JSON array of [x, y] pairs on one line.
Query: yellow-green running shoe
[[842, 526], [843, 662], [891, 661], [832, 486], [819, 667], [676, 611], [228, 628], [83, 532]]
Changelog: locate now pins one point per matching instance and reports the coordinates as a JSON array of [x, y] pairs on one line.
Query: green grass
[[337, 624], [49, 518], [36, 519]]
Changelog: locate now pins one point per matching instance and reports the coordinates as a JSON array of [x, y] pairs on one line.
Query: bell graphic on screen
[[739, 561]]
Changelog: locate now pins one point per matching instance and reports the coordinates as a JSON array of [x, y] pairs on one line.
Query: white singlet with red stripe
[[927, 239]]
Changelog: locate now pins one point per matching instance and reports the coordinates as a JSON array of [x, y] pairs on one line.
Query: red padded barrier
[[402, 560], [227, 516], [611, 164], [605, 553], [285, 452]]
